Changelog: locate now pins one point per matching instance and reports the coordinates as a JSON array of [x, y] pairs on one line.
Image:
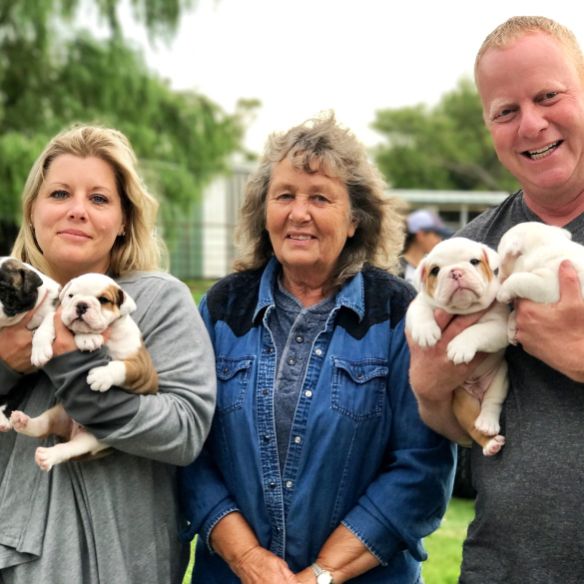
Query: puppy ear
[[491, 257], [509, 252], [31, 281], [64, 292], [125, 302], [419, 279]]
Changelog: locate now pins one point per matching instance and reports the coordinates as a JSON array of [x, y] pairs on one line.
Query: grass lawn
[[444, 546]]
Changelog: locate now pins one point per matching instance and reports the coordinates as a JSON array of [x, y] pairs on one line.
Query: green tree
[[443, 147], [52, 76]]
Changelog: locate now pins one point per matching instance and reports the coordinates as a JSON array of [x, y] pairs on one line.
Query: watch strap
[[318, 571]]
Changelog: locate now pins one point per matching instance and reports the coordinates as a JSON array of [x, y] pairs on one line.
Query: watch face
[[324, 578]]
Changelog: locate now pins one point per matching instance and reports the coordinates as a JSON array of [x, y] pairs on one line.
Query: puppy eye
[[434, 271], [475, 262], [103, 300], [496, 271], [70, 295]]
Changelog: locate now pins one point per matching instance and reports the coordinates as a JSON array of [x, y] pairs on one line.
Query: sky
[[302, 57]]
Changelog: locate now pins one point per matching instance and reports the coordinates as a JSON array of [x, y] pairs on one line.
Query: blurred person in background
[[424, 229]]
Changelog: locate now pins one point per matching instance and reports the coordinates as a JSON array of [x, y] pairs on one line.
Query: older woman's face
[[308, 218], [77, 215]]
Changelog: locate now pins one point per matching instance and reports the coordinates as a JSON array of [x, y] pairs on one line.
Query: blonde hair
[[321, 145], [519, 26], [140, 248]]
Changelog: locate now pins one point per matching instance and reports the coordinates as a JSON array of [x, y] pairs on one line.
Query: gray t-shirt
[[529, 526]]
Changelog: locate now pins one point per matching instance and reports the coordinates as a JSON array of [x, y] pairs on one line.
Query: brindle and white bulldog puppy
[[92, 304], [459, 276], [531, 254], [24, 288]]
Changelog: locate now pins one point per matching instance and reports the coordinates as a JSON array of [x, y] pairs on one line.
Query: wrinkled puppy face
[[90, 303], [459, 275], [18, 290]]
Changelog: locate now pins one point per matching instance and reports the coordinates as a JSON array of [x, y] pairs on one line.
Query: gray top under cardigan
[[112, 520]]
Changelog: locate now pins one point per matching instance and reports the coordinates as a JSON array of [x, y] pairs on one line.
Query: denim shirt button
[[265, 392], [266, 437], [289, 484], [318, 352], [308, 393], [272, 484], [299, 338], [297, 439]]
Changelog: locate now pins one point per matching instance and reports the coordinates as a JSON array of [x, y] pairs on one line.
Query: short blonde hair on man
[[519, 26], [322, 145], [140, 248]]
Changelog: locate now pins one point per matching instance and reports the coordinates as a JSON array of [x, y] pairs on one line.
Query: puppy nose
[[81, 308], [456, 274]]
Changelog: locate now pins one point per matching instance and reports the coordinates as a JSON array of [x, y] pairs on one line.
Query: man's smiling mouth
[[542, 152]]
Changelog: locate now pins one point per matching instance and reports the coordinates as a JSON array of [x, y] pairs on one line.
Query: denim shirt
[[359, 455]]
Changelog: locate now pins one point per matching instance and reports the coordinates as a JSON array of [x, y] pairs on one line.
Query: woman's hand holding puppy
[[16, 345]]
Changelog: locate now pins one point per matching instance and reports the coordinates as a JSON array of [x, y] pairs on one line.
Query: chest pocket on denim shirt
[[358, 389], [233, 377]]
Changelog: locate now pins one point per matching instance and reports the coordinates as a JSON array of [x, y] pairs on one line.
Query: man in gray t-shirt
[[529, 508]]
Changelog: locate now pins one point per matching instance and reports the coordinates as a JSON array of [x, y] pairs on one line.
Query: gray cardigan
[[111, 520]]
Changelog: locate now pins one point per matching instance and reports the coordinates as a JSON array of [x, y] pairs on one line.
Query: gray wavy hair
[[140, 248], [322, 144]]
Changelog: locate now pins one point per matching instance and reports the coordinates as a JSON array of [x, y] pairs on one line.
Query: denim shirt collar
[[351, 295]]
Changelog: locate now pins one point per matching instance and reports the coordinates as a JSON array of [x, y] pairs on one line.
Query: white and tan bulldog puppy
[[531, 254], [24, 288], [92, 304], [459, 276]]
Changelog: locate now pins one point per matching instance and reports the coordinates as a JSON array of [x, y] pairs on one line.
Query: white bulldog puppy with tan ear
[[92, 304], [459, 276]]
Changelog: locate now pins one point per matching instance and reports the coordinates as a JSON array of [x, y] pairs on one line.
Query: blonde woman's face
[[77, 216], [308, 218]]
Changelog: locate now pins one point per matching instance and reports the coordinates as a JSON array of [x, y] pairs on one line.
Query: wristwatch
[[322, 576]]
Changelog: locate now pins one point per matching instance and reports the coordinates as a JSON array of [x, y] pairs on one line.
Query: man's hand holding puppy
[[540, 326], [434, 377]]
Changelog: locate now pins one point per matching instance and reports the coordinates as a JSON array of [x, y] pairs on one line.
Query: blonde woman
[[111, 520]]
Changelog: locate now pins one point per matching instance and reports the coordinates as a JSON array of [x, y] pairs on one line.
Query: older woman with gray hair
[[318, 467]]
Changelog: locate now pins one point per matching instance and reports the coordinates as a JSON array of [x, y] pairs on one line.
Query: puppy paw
[[19, 421], [504, 295], [494, 445], [100, 378], [459, 351], [427, 334], [5, 424], [44, 458], [487, 424], [41, 354], [88, 342]]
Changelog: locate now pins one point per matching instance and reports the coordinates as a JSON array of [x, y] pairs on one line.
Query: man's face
[[533, 104]]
